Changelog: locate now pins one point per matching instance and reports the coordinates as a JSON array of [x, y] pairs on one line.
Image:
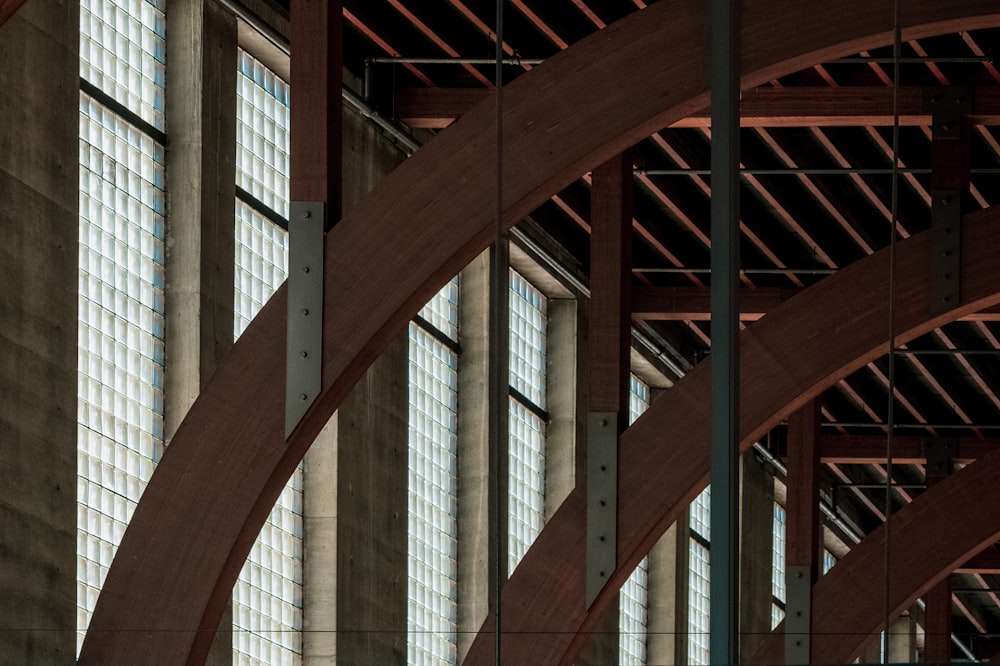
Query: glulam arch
[[227, 463]]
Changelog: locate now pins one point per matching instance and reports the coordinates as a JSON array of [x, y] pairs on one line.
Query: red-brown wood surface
[[928, 539], [8, 8], [788, 358], [228, 462], [802, 507]]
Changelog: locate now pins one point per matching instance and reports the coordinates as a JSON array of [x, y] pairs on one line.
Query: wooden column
[[937, 601], [802, 535], [608, 368]]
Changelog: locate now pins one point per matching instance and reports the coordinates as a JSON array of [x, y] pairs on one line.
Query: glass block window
[[632, 599], [262, 123], [432, 612], [121, 332], [698, 578], [828, 560], [261, 261], [698, 611], [527, 426], [778, 566], [267, 599], [123, 52]]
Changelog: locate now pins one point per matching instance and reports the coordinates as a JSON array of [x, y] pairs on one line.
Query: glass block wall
[[527, 421], [698, 579], [778, 566], [267, 598], [121, 279], [262, 124], [634, 593], [432, 564]]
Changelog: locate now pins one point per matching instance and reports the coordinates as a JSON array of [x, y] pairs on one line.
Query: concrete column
[[372, 457], [474, 392], [756, 545], [39, 183], [567, 374], [355, 485], [201, 194], [902, 643], [666, 599]]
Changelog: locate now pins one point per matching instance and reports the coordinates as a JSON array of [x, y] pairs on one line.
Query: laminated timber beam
[[7, 9], [906, 449], [693, 304], [228, 462], [436, 108]]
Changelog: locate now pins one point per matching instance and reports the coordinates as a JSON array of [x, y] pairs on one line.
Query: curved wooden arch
[[801, 348], [8, 8], [927, 541], [226, 465]]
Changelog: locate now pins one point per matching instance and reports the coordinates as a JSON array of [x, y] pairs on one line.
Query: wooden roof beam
[[760, 107]]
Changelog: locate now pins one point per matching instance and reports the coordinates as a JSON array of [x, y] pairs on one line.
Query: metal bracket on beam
[[304, 350], [602, 500], [948, 108], [798, 614], [940, 452]]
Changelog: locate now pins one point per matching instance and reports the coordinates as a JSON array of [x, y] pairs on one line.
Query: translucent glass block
[[698, 604], [441, 312], [632, 609], [527, 339], [828, 560], [123, 52], [120, 371], [527, 481], [432, 613], [262, 124], [778, 555], [267, 599], [699, 514]]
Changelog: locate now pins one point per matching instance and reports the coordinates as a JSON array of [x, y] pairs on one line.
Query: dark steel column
[[725, 409]]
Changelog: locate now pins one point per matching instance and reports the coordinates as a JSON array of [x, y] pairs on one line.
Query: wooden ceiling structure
[[817, 188], [817, 223]]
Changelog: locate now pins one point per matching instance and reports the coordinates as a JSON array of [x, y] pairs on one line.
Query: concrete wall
[[201, 190], [355, 484], [39, 183]]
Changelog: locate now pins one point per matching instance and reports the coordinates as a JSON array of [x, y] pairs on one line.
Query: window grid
[[121, 331], [527, 429], [778, 564], [633, 597], [699, 520], [123, 52], [698, 603], [432, 611], [267, 599], [262, 124], [828, 561]]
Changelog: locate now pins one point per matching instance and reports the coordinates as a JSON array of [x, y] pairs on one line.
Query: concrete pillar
[[201, 194], [666, 597], [355, 485], [566, 376], [756, 546], [902, 644], [474, 392], [39, 183]]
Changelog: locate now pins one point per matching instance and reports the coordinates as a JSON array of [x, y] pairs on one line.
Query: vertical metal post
[[724, 558]]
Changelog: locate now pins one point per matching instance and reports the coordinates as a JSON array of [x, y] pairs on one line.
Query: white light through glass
[[778, 565], [262, 123], [633, 597], [698, 582], [527, 429], [267, 598], [123, 52], [432, 612], [121, 329]]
